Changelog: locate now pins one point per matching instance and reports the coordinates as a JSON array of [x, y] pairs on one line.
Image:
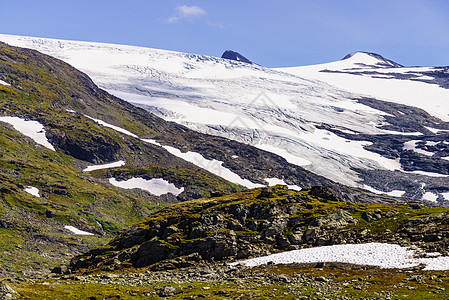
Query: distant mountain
[[229, 54], [371, 59]]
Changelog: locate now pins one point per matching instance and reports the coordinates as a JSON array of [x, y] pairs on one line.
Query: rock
[[371, 216], [5, 289], [167, 291], [338, 219], [321, 279], [62, 269], [295, 238], [324, 193]]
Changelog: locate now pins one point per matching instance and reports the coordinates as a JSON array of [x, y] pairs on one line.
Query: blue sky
[[273, 33]]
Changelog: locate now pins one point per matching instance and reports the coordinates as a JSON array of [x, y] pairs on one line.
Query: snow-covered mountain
[[364, 121]]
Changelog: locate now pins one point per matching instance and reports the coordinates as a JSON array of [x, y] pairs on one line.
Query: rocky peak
[[369, 58], [229, 54]]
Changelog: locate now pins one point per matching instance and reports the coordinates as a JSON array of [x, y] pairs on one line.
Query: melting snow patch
[[430, 197], [411, 145], [4, 83], [105, 166], [214, 166], [155, 186], [31, 129], [446, 196], [32, 190], [372, 254], [116, 128], [77, 231], [393, 193], [275, 181]]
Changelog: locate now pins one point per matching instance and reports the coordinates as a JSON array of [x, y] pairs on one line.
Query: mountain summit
[[371, 59], [229, 54]]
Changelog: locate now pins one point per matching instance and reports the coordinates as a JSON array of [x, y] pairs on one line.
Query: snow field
[[372, 254]]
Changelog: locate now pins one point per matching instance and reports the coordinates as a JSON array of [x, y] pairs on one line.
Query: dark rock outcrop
[[229, 54]]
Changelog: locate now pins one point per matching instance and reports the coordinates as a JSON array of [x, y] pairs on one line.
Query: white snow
[[434, 130], [275, 181], [4, 83], [32, 190], [116, 128], [430, 174], [105, 166], [155, 186], [430, 196], [393, 193], [411, 145], [445, 196], [214, 166], [77, 231], [31, 129], [446, 158], [382, 255], [430, 97]]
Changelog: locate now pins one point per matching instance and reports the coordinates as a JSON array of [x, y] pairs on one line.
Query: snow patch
[[77, 231], [445, 196], [382, 255], [155, 186], [4, 83], [411, 145], [31, 129], [393, 193], [434, 130], [276, 181], [116, 128], [32, 190], [105, 166], [430, 197]]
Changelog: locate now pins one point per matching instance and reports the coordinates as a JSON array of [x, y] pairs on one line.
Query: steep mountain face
[[229, 54], [364, 121]]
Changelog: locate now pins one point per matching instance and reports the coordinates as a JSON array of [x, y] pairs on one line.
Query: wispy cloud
[[184, 11]]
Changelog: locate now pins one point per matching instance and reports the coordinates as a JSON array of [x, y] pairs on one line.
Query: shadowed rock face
[[229, 54]]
